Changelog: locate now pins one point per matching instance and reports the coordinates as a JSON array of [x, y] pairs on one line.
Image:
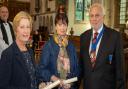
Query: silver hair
[[98, 5]]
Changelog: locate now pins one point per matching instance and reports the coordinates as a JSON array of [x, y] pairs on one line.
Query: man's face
[[4, 13], [96, 17]]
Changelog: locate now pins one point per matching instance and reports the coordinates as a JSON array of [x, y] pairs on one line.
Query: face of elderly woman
[[23, 30], [61, 28]]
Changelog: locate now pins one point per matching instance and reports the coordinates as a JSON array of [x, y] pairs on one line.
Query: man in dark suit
[[101, 54]]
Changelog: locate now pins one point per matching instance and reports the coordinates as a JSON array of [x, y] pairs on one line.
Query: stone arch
[[47, 23], [51, 24]]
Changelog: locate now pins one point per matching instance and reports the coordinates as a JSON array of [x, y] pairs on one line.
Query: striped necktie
[[93, 51]]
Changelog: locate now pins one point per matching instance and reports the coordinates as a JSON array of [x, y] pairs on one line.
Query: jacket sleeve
[[76, 64], [81, 62], [120, 68], [76, 68], [43, 73], [6, 71]]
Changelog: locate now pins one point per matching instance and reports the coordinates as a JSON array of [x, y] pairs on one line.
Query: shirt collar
[[99, 30]]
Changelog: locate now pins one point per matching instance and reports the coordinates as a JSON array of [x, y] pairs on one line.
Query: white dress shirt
[[97, 48]]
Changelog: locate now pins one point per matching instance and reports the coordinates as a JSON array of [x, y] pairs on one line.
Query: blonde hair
[[18, 17], [99, 6]]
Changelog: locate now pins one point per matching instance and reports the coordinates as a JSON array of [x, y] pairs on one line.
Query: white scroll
[[70, 80], [56, 83]]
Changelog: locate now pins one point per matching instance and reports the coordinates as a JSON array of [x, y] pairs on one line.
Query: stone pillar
[[117, 13], [5, 2], [108, 11], [32, 7]]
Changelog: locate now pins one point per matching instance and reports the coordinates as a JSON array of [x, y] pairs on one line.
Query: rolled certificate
[[52, 85], [70, 80]]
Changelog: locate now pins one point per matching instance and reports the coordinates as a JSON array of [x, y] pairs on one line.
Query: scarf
[[63, 62]]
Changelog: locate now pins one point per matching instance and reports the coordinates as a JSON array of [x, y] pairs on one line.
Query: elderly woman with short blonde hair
[[17, 69]]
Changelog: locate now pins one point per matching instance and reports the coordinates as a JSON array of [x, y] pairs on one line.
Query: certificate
[[56, 83]]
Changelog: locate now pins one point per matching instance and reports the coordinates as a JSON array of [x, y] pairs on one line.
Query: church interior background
[[43, 14]]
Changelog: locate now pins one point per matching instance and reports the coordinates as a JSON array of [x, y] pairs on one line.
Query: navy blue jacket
[[48, 62], [13, 71]]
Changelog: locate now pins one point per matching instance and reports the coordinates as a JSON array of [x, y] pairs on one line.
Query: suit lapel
[[102, 47], [55, 47], [54, 50], [19, 58], [86, 46]]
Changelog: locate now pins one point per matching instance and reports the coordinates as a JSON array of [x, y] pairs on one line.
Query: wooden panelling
[[76, 42], [16, 6]]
